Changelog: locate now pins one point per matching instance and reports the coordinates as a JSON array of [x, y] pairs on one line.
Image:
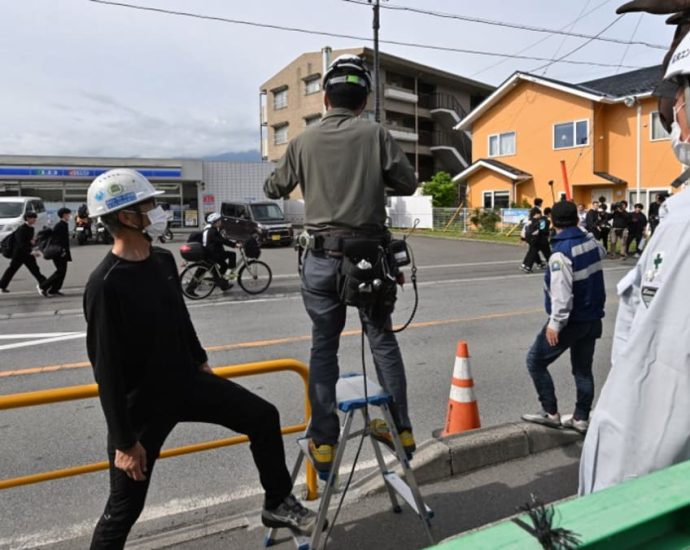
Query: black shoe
[[42, 292], [526, 269], [56, 293], [4, 291], [291, 514]]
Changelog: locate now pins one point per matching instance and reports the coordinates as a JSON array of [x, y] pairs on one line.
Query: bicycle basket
[[252, 249], [192, 252]]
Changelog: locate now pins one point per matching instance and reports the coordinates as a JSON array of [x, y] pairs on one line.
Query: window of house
[[312, 85], [280, 99], [502, 144], [496, 199], [656, 131], [311, 120], [571, 134], [280, 135]]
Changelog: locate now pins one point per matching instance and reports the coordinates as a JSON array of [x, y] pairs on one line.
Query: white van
[[12, 210]]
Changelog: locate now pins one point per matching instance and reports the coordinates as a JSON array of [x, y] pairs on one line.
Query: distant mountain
[[253, 155]]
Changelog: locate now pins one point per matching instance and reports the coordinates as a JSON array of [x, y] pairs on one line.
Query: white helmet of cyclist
[[117, 189], [347, 69], [213, 217]]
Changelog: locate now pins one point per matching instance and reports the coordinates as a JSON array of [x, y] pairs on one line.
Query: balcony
[[446, 110], [400, 95]]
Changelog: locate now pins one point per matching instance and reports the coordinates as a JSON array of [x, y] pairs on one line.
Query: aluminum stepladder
[[350, 394]]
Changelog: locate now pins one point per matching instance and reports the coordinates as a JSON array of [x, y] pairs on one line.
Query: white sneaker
[[544, 418], [569, 421]]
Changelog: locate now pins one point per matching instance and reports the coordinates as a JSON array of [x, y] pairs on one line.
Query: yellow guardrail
[[86, 391]]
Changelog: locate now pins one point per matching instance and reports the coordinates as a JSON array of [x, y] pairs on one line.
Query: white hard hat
[[347, 69], [116, 189], [213, 217], [679, 63]]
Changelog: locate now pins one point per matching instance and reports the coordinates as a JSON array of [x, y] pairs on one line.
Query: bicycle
[[198, 280]]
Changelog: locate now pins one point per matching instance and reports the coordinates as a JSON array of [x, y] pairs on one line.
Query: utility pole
[[377, 90]]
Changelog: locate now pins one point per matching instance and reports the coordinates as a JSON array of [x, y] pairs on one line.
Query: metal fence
[[459, 219]]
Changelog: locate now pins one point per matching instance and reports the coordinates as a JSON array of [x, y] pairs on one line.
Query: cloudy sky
[[84, 78]]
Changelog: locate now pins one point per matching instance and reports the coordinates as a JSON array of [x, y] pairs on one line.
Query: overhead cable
[[353, 37], [510, 25]]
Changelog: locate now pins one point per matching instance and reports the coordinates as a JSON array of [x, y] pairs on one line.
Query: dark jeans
[[55, 281], [579, 338], [29, 261], [319, 280], [535, 247], [637, 237], [604, 237], [208, 399]]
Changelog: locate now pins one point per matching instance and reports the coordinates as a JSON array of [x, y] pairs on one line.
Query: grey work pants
[[328, 314]]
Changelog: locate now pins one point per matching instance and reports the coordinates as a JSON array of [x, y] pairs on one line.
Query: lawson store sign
[[79, 173]]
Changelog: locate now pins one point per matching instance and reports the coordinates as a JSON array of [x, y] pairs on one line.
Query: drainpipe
[[325, 62], [638, 155]]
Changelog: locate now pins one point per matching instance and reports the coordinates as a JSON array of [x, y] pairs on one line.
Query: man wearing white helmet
[[642, 420], [343, 166], [214, 246], [151, 369]]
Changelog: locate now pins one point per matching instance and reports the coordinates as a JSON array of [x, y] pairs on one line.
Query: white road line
[[36, 335], [43, 341]]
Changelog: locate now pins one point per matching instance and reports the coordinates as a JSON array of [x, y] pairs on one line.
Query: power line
[[352, 37], [625, 52], [578, 48], [580, 17], [511, 25], [572, 26]]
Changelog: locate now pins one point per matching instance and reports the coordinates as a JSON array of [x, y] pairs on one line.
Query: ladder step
[[405, 492], [351, 395]]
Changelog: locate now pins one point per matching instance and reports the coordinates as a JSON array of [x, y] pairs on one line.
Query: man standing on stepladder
[[343, 165], [152, 371]]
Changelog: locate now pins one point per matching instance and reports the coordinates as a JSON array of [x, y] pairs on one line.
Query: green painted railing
[[652, 511]]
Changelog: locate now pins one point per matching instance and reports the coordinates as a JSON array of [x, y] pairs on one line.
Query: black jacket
[[620, 219], [61, 238], [23, 237]]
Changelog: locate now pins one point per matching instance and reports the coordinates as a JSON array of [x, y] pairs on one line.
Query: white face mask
[[158, 222], [680, 148]]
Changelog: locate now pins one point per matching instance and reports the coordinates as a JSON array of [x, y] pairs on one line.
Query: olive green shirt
[[343, 165]]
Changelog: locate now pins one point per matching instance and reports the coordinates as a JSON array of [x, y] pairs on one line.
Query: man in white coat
[[642, 420]]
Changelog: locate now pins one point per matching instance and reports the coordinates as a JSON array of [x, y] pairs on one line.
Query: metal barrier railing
[[58, 395]]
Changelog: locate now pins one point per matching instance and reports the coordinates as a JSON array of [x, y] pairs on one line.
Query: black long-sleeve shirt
[[61, 238], [140, 341], [23, 241]]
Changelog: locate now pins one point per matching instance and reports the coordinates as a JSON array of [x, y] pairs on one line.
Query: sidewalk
[[464, 501]]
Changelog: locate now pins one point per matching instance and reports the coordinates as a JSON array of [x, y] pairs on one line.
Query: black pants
[[637, 237], [604, 237], [29, 261], [209, 399], [535, 247], [55, 281]]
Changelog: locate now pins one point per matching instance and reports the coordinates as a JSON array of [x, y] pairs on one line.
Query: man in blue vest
[[575, 296]]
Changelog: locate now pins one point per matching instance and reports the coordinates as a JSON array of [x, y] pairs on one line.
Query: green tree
[[443, 190]]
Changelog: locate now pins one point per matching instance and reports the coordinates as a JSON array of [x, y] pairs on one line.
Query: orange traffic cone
[[463, 412]]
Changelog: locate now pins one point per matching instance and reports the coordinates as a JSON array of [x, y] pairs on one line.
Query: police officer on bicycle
[[343, 166], [214, 247]]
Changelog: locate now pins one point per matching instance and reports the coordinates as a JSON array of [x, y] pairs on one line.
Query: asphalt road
[[468, 290]]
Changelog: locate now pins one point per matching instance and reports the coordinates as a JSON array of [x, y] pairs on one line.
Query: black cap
[[564, 214]]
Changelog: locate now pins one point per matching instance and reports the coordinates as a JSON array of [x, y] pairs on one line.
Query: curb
[[440, 458]]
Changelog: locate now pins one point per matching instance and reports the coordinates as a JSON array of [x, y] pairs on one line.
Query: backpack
[[7, 245], [43, 238], [196, 237]]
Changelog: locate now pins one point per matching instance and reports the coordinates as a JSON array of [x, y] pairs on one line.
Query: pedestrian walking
[[52, 286], [343, 166], [592, 220], [636, 229], [22, 254], [537, 237], [620, 218], [574, 299], [152, 371], [653, 212], [642, 420], [604, 225]]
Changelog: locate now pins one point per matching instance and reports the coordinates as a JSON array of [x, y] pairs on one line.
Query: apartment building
[[420, 106]]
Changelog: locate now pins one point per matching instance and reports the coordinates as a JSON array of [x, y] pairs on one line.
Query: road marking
[[36, 335], [285, 340], [41, 340]]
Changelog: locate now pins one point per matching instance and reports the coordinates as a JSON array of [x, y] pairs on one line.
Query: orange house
[[607, 132]]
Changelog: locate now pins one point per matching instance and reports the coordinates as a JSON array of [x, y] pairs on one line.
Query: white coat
[[642, 420]]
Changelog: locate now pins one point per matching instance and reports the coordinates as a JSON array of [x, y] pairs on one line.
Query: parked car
[[270, 221], [12, 210]]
